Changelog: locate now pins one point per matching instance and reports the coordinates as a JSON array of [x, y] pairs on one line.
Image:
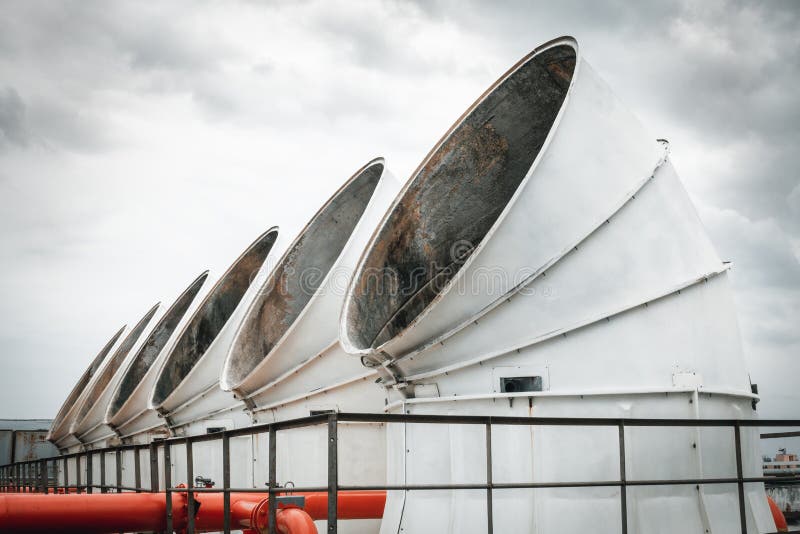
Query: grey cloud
[[85, 51], [12, 118], [380, 37], [765, 274]]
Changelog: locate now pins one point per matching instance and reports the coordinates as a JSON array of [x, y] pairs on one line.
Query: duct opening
[[154, 344], [300, 273], [84, 380], [455, 198], [211, 316], [114, 364]]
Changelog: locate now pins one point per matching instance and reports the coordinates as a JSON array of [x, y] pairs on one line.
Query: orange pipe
[[135, 512], [294, 521], [349, 504], [777, 516], [95, 513]]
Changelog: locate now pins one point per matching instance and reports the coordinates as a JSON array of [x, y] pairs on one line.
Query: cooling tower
[[186, 389], [545, 260], [87, 426], [127, 412], [60, 426]]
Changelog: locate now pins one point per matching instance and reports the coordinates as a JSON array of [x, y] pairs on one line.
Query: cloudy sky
[[141, 143]]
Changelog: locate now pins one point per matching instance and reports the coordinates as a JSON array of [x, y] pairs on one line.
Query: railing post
[[137, 469], [153, 467], [65, 469], [77, 473], [623, 488], [273, 478], [737, 436], [44, 478], [226, 482], [103, 488], [333, 472], [89, 474], [489, 504], [189, 485], [118, 466], [168, 484]]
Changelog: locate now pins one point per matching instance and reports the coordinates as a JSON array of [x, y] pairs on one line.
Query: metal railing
[[35, 475]]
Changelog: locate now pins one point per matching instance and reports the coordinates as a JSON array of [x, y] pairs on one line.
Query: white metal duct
[[187, 385], [88, 426], [127, 411], [545, 260], [60, 426], [285, 359], [286, 347]]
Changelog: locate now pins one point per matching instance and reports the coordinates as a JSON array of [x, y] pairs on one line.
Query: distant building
[[782, 464], [786, 495], [25, 439]]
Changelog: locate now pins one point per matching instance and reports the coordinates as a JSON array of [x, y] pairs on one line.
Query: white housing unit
[[545, 260]]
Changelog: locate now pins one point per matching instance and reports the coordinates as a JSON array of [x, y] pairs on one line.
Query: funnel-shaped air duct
[[545, 260], [127, 411], [285, 359], [187, 386], [60, 427], [88, 425], [287, 345]]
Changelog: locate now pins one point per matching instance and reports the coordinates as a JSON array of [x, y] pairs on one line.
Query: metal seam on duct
[[316, 392], [533, 277], [605, 393], [191, 400], [562, 331], [290, 372]]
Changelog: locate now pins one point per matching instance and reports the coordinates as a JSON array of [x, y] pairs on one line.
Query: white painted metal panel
[[597, 286]]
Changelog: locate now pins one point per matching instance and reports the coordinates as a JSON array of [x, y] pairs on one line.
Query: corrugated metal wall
[[24, 439]]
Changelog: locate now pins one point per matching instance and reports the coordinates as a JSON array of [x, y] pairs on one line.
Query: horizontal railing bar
[[557, 421], [445, 419], [308, 489], [770, 435], [496, 485]]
